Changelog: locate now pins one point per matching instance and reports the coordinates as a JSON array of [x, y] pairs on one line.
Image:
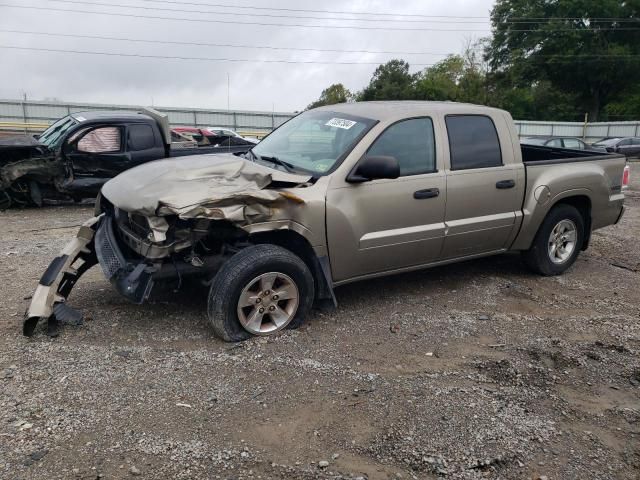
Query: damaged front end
[[166, 221], [25, 166]]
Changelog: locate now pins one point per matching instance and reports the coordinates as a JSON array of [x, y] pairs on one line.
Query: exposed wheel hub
[[268, 303], [562, 241]]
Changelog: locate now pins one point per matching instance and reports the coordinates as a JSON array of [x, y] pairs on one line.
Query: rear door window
[[412, 143], [473, 142], [573, 143], [141, 137], [556, 142]]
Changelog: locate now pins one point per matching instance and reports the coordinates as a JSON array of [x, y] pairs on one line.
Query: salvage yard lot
[[474, 370]]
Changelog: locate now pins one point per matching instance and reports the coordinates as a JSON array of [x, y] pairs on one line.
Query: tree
[[441, 81], [582, 48], [457, 78], [391, 81], [336, 93]]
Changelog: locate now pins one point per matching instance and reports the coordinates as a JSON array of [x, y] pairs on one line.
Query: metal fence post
[[195, 119], [24, 114], [235, 121]]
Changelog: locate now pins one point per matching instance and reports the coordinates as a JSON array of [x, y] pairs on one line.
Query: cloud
[[203, 84]]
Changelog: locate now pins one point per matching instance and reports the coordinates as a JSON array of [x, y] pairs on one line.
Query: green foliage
[[546, 60], [336, 93], [578, 46], [391, 81]]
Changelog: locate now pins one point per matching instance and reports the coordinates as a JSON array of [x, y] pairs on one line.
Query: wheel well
[[296, 243], [583, 204]]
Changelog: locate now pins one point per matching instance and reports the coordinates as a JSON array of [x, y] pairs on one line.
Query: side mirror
[[375, 167]]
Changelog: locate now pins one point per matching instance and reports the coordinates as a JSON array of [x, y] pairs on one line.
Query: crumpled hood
[[216, 186]]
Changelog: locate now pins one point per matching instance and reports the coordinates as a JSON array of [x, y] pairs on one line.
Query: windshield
[[314, 141], [53, 135], [608, 142]]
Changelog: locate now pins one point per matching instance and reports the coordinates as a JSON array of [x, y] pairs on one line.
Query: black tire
[[537, 257], [241, 269]]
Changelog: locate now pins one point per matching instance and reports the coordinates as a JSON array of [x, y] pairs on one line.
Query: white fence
[[41, 113], [590, 132]]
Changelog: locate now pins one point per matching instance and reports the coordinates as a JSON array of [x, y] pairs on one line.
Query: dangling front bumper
[[56, 282]]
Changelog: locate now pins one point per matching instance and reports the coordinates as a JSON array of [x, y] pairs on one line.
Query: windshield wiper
[[287, 166]]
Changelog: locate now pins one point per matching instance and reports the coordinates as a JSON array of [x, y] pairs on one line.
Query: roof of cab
[[111, 115], [384, 110]]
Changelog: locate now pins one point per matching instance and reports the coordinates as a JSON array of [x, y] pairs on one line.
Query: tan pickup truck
[[337, 194]]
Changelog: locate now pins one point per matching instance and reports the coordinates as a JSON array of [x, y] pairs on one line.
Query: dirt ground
[[475, 370]]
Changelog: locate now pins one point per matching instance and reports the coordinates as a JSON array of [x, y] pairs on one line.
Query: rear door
[[625, 146], [485, 184], [634, 151]]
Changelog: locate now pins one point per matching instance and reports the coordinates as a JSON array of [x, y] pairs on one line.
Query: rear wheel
[[558, 241], [259, 291]]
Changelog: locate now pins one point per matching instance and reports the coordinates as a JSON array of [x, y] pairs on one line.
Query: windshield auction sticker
[[340, 123]]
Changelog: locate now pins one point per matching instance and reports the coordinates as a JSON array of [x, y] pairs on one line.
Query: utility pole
[[584, 128], [24, 111]]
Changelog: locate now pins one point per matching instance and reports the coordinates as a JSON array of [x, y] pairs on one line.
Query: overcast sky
[[202, 83]]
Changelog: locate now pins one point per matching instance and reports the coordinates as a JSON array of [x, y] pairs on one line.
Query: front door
[[484, 187], [98, 152], [383, 225]]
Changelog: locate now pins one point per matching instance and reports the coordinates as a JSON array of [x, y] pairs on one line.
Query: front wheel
[[558, 241], [259, 291]]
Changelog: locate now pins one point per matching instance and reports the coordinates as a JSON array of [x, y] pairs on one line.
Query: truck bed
[[182, 152], [593, 178], [541, 155]]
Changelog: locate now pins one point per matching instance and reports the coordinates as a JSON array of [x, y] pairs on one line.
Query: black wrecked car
[[76, 155]]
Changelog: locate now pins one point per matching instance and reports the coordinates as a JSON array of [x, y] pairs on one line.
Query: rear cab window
[[141, 137], [473, 142]]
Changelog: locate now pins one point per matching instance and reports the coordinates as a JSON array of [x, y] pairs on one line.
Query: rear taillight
[[625, 177]]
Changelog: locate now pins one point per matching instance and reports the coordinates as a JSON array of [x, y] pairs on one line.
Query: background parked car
[[562, 142], [200, 136], [629, 146], [231, 133]]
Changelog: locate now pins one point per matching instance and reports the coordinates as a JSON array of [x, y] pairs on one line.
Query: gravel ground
[[475, 370]]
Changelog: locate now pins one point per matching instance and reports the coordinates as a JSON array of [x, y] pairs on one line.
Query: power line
[[208, 59], [225, 45], [212, 59], [253, 7], [384, 14], [296, 17], [295, 49], [349, 27], [234, 22]]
